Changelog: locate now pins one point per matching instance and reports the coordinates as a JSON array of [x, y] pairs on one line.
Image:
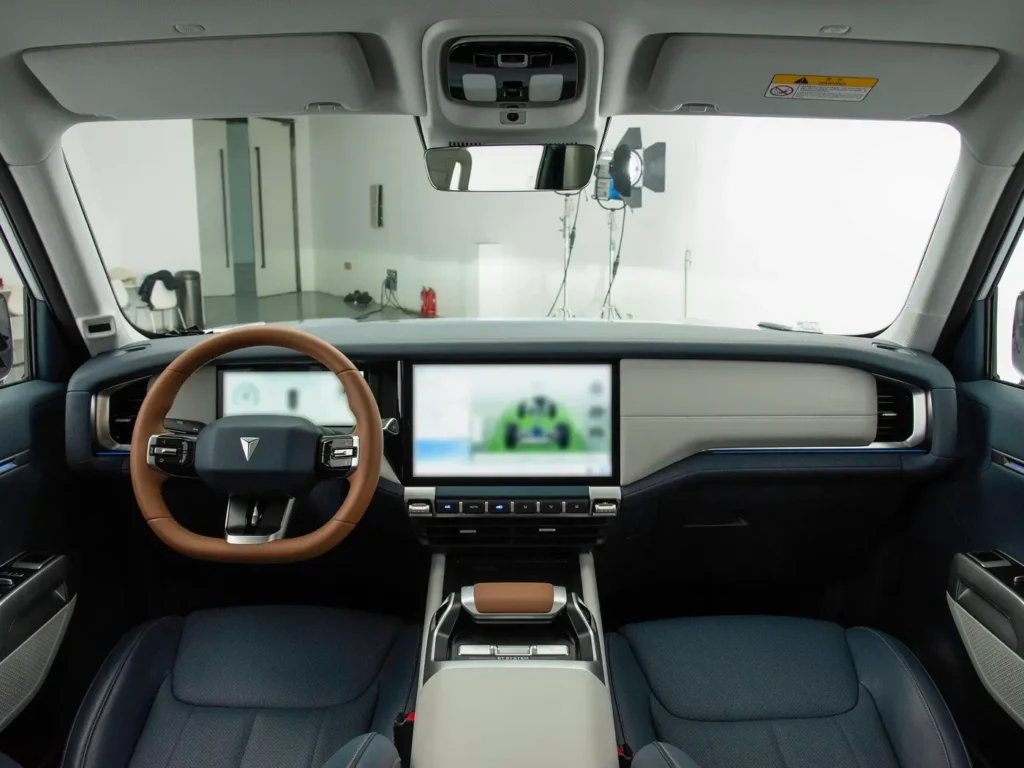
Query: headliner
[[991, 121]]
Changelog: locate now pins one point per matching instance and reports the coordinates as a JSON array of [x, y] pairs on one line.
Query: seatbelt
[[402, 734]]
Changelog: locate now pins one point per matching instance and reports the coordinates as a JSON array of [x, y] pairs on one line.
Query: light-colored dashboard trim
[[921, 402], [671, 410]]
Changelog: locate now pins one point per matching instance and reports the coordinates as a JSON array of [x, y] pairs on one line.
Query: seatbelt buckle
[[403, 736], [625, 755]]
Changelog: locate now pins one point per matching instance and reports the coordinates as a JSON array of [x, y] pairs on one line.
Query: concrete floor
[[229, 310]]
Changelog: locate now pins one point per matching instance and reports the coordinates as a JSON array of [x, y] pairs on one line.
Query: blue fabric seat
[[269, 687], [775, 693]]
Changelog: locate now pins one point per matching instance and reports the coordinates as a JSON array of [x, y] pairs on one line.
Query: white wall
[[8, 272], [138, 185], [784, 220]]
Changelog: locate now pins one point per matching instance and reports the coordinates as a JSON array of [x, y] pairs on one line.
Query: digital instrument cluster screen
[[516, 421], [314, 395]]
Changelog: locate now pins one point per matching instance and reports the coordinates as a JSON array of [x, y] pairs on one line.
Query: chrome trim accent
[[476, 650], [399, 389], [513, 650], [604, 492], [249, 445], [551, 650], [99, 407], [419, 509], [588, 580], [278, 534], [558, 604], [435, 587], [389, 426], [445, 624], [419, 494]]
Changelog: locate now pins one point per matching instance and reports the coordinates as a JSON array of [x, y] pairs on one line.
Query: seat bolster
[[371, 750], [631, 694], [115, 708], [661, 755], [398, 680], [920, 726]]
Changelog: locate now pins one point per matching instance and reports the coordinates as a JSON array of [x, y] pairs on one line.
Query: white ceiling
[[391, 32]]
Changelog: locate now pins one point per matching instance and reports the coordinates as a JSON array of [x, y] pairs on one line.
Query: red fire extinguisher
[[428, 302]]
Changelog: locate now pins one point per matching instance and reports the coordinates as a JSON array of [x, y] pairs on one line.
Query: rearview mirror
[[1018, 335], [505, 168], [6, 341]]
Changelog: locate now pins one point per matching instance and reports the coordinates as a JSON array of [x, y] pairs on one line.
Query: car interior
[[333, 435]]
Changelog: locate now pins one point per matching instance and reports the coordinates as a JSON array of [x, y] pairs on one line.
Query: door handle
[[224, 208], [990, 587], [259, 206]]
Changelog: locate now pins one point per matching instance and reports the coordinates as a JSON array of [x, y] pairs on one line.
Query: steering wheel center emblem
[[249, 446]]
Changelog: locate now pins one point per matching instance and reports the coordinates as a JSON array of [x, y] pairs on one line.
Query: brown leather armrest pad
[[513, 597]]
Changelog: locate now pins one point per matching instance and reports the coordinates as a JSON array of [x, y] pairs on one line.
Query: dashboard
[[531, 416]]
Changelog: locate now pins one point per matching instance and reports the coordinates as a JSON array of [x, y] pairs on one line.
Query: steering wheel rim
[[147, 481]]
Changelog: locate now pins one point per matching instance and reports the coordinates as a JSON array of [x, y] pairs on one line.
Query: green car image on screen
[[537, 424]]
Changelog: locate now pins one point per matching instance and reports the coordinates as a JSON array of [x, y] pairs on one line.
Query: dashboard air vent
[[124, 407], [895, 412]]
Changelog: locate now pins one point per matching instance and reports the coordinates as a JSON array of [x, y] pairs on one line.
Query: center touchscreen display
[[527, 421]]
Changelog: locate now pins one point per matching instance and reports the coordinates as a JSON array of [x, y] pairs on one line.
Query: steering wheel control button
[[419, 509], [551, 507], [499, 507], [340, 454], [525, 507], [172, 454], [473, 507], [605, 508], [447, 507], [577, 507]]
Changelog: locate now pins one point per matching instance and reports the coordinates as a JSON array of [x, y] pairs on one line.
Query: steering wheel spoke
[[172, 454], [257, 520], [337, 456]]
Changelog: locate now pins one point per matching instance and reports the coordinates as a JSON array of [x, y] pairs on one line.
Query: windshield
[[816, 224]]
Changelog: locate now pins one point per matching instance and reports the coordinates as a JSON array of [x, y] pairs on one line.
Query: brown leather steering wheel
[[218, 456]]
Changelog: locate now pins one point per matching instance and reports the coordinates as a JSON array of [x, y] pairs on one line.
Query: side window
[[13, 290]]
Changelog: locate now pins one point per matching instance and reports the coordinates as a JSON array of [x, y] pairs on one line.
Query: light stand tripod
[[563, 311], [608, 310]]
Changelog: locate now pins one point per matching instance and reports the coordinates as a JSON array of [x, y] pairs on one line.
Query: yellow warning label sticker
[[820, 87]]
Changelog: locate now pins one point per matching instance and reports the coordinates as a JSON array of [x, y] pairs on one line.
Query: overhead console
[[513, 83], [512, 74]]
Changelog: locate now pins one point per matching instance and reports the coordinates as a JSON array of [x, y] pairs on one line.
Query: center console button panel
[[551, 516]]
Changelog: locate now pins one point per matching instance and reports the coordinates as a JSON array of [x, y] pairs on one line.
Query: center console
[[514, 674], [511, 472]]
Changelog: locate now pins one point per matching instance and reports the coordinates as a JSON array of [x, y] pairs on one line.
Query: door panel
[[36, 595], [211, 143], [270, 157]]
